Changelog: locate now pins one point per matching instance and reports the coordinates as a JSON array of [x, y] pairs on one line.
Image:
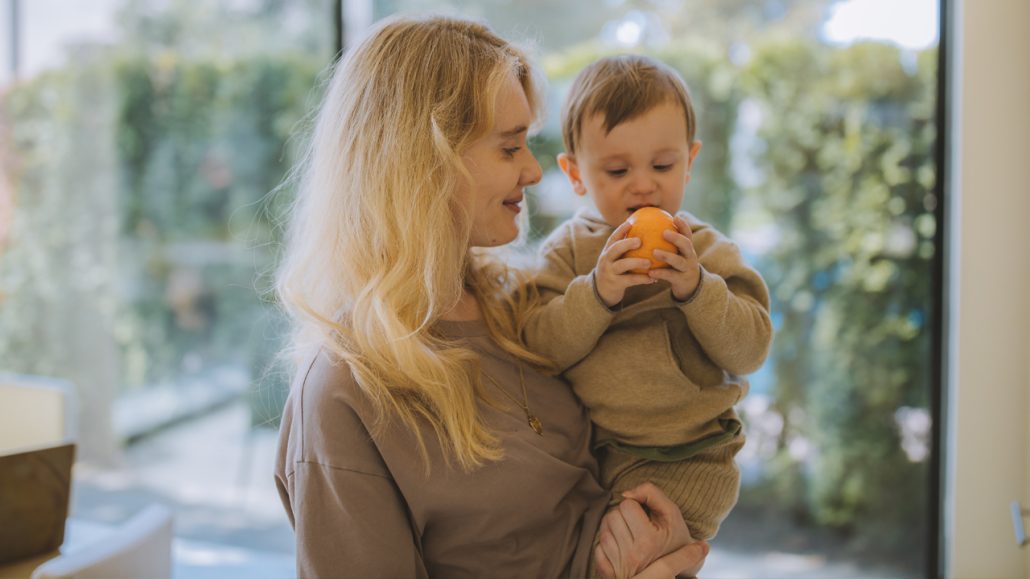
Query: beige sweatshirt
[[363, 507], [652, 371]]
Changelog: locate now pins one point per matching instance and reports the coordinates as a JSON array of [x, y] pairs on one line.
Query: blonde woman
[[421, 438]]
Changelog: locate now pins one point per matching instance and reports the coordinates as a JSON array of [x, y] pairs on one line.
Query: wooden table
[[23, 568], [77, 534]]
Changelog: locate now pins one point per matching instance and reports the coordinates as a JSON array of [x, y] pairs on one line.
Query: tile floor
[[215, 472]]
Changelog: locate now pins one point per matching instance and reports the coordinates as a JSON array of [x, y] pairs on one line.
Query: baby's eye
[[616, 172], [510, 151], [663, 168]]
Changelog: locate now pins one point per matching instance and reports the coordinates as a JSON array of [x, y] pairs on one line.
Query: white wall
[[5, 42], [990, 440]]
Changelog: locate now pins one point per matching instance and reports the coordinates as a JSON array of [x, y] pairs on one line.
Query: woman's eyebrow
[[514, 132]]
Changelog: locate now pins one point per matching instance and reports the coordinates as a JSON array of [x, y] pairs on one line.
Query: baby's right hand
[[613, 272]]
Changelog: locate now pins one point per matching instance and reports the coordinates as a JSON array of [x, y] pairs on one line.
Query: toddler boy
[[657, 358]]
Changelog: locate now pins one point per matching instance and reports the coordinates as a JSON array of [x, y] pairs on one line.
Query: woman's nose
[[531, 173]]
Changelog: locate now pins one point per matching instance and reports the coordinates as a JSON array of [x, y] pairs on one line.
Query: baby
[[657, 358]]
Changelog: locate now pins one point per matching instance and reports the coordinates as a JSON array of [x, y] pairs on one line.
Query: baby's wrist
[[692, 294], [605, 300]]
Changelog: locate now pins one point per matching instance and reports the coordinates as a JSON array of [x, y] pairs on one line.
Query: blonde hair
[[622, 88], [378, 245]]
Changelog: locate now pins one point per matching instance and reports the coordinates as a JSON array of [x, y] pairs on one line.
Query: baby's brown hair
[[622, 88]]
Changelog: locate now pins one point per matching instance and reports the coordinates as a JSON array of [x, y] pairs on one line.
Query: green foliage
[[202, 144], [57, 269], [205, 140], [848, 166], [194, 147]]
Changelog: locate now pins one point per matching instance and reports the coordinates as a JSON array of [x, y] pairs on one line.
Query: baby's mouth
[[634, 208]]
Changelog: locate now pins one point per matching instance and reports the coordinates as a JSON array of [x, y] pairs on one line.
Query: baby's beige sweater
[[652, 370]]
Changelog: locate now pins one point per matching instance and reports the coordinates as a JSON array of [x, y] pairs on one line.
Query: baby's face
[[643, 161]]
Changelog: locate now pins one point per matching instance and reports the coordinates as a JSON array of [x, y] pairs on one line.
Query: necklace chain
[[533, 421]]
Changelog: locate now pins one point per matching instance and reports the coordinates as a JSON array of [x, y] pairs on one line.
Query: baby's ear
[[694, 150], [568, 166]]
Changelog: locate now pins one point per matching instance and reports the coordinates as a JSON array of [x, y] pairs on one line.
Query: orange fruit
[[648, 223]]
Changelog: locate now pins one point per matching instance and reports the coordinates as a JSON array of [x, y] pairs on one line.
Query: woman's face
[[501, 166]]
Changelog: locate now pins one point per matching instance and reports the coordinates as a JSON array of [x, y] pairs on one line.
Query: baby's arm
[[571, 317], [729, 311], [573, 314]]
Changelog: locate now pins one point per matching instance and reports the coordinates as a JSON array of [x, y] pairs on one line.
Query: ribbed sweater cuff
[[697, 290], [593, 284], [708, 283]]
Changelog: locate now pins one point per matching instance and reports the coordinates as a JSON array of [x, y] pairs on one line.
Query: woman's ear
[[568, 166], [695, 148]]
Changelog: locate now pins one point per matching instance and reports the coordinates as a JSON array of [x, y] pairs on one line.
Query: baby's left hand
[[684, 271]]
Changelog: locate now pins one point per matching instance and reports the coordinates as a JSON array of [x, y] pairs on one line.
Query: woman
[[421, 438]]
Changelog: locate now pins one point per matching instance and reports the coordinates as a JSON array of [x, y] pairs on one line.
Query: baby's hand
[[684, 272], [613, 274]]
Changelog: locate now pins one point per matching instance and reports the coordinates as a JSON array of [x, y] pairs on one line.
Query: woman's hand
[[683, 562], [633, 544]]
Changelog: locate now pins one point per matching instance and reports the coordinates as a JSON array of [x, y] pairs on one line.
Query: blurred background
[[141, 142]]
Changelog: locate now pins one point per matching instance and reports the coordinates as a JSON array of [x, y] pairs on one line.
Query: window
[[139, 141]]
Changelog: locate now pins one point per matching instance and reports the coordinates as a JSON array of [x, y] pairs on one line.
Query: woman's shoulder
[[326, 417], [325, 386], [325, 377]]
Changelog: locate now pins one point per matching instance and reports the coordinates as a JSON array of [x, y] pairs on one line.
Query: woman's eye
[[616, 172], [510, 152]]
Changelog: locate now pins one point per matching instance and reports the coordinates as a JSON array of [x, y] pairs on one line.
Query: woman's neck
[[466, 310]]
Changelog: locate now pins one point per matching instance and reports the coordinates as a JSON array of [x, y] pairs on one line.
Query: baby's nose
[[642, 185]]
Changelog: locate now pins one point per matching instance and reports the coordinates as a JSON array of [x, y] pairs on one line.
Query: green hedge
[[193, 149]]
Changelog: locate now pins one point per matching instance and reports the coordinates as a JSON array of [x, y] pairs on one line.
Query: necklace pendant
[[535, 424]]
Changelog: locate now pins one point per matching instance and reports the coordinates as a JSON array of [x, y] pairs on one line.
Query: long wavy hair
[[377, 248]]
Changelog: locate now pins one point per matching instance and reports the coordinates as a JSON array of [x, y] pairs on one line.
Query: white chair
[[141, 548], [35, 412]]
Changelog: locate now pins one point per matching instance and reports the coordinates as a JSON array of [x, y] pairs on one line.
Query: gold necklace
[[533, 421]]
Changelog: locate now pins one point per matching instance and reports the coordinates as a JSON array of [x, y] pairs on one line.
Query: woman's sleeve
[[350, 518], [350, 524]]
